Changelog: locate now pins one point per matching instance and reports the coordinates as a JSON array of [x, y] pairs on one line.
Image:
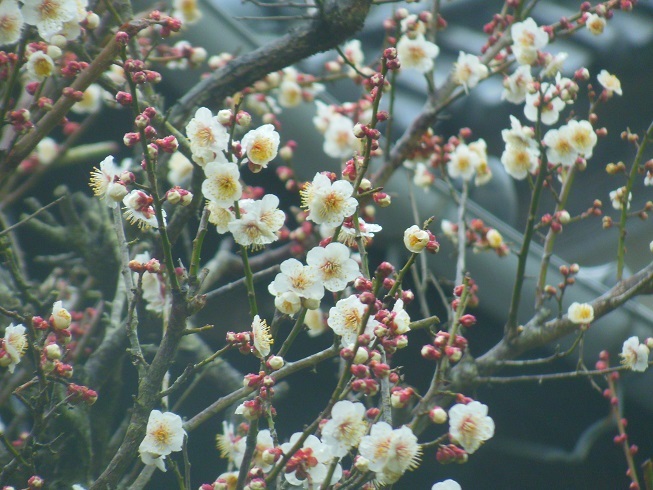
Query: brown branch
[[337, 22]]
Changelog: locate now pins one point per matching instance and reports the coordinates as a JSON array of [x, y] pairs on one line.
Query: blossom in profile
[[328, 203], [164, 435], [264, 442], [634, 355], [222, 184], [610, 82], [446, 485], [259, 222], [423, 177], [348, 232], [519, 136], [154, 288], [261, 337], [417, 53], [61, 317], [346, 427], [11, 22], [469, 425], [13, 346], [308, 467], [228, 443], [527, 39], [139, 209], [48, 16], [334, 265], [303, 280], [288, 303], [261, 145], [39, 66], [220, 217], [468, 71], [390, 452], [346, 317], [516, 85], [106, 183]]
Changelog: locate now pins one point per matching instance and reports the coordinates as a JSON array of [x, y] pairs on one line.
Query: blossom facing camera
[[417, 53], [164, 435], [14, 345], [11, 21], [634, 355], [261, 145], [416, 239], [470, 426], [580, 313]]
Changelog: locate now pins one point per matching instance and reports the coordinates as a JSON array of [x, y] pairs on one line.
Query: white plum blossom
[[582, 137], [417, 53], [580, 313], [310, 463], [483, 171], [222, 184], [72, 29], [339, 139], [553, 64], [469, 425], [303, 280], [446, 485], [544, 104], [91, 102], [261, 338], [416, 239], [208, 138], [610, 82], [346, 427], [422, 177], [104, 182], [519, 162], [519, 136], [288, 303], [354, 54], [47, 151], [259, 222], [400, 318], [61, 317], [139, 209], [264, 442], [334, 265], [261, 145], [527, 39], [595, 24], [187, 11], [325, 113], [462, 162], [14, 345], [220, 217], [348, 232], [180, 168], [39, 66], [11, 22], [227, 443], [469, 70], [515, 87], [634, 355], [390, 452], [315, 322], [559, 149], [48, 16], [346, 317], [328, 203], [164, 435], [153, 287], [618, 198], [290, 94]]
